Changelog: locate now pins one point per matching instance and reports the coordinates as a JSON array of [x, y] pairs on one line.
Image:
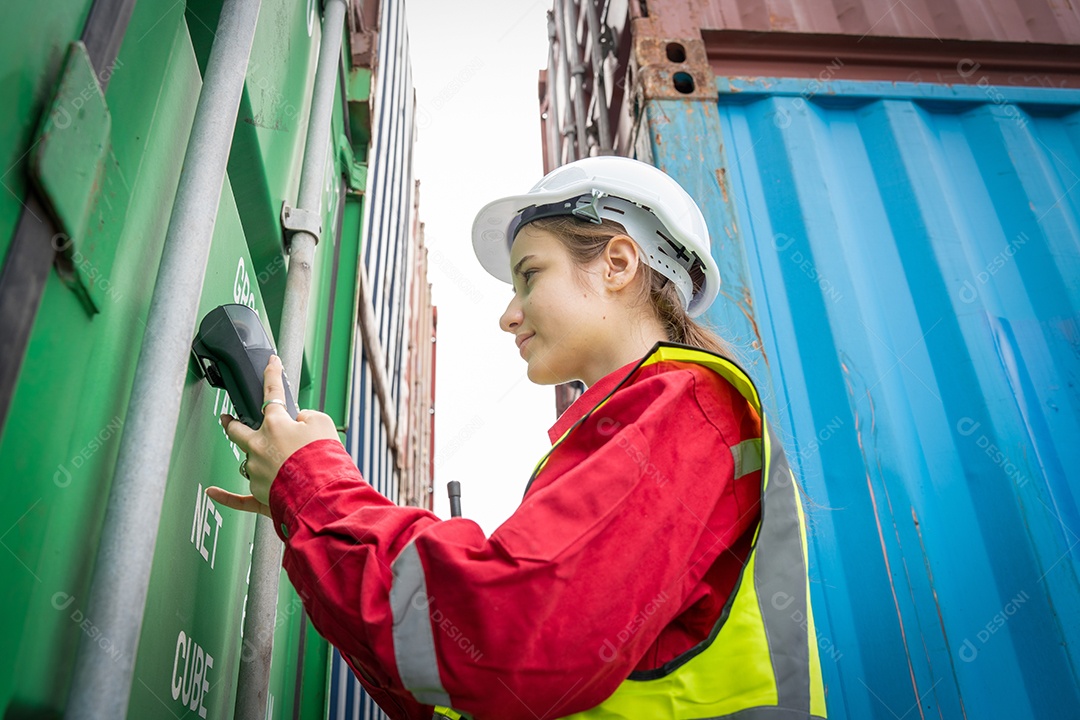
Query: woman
[[640, 577]]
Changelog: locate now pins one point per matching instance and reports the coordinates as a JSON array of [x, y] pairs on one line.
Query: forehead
[[531, 240]]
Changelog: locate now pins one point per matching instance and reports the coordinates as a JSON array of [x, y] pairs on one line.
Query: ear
[[622, 262]]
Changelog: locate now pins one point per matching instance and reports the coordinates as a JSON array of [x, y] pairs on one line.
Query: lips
[[522, 339]]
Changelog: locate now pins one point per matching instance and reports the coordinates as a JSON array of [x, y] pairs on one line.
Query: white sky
[[475, 70]]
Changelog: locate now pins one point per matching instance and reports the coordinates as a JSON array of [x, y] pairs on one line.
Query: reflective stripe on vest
[[760, 661], [757, 664]]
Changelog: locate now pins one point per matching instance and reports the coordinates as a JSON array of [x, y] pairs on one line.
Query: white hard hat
[[657, 213]]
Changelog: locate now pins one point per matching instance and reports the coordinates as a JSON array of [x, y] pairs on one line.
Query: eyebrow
[[517, 268]]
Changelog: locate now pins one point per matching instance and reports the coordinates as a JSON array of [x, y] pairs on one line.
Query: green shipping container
[[93, 151]]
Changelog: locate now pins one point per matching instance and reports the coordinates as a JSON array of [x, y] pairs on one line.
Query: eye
[[526, 275]]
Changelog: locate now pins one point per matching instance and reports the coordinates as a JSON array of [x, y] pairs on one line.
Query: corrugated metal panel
[[1042, 21], [391, 190], [902, 270], [393, 277]]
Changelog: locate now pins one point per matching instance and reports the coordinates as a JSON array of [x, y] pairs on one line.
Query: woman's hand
[[267, 448]]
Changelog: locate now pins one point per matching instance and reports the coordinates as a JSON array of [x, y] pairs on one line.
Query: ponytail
[[679, 326]]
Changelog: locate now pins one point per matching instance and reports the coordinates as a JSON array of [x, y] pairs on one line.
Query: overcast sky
[[475, 70]]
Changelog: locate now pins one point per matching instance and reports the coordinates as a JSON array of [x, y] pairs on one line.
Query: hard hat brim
[[490, 226]]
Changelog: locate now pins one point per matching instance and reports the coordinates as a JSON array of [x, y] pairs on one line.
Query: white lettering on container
[[200, 526], [191, 683]]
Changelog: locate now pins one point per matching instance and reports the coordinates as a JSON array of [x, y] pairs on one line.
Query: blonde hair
[[585, 241]]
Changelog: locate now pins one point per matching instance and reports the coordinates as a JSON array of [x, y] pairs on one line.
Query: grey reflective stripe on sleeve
[[747, 457], [780, 581], [414, 643]]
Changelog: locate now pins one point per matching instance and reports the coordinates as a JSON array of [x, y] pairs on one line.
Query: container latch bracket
[[69, 164], [294, 220]]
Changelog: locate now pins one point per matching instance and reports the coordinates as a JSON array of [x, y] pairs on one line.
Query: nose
[[512, 316]]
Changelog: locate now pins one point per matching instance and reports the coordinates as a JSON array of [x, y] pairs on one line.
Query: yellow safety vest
[[760, 662]]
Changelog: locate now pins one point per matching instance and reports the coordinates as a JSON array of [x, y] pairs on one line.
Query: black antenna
[[453, 489]]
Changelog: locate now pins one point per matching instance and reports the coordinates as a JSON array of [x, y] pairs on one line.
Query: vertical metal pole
[[599, 90], [555, 154], [577, 69], [101, 687], [567, 126], [259, 620]]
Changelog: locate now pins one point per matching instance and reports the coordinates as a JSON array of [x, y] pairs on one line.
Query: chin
[[539, 377], [542, 375]]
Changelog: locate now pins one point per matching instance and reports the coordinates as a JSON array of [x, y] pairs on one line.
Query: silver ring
[[275, 401], [243, 469]]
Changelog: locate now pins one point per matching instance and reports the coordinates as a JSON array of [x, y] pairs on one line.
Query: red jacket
[[620, 557]]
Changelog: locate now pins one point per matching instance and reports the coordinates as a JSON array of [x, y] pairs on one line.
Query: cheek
[[554, 304], [536, 306]]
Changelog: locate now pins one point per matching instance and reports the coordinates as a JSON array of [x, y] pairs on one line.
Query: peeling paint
[[747, 306], [721, 180]]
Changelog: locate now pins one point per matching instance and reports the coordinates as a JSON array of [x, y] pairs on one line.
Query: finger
[[273, 386], [237, 431], [320, 420], [244, 503]]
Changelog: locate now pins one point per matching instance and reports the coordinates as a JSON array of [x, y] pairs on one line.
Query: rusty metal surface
[[1020, 43], [363, 24], [662, 75], [1040, 21], [741, 53]]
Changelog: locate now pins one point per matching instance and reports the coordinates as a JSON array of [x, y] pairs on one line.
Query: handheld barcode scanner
[[232, 350]]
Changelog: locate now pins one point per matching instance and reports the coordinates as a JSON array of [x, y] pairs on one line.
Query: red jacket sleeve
[[548, 615]]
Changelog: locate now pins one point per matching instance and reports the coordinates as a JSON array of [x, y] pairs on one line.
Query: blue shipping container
[[901, 267]]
